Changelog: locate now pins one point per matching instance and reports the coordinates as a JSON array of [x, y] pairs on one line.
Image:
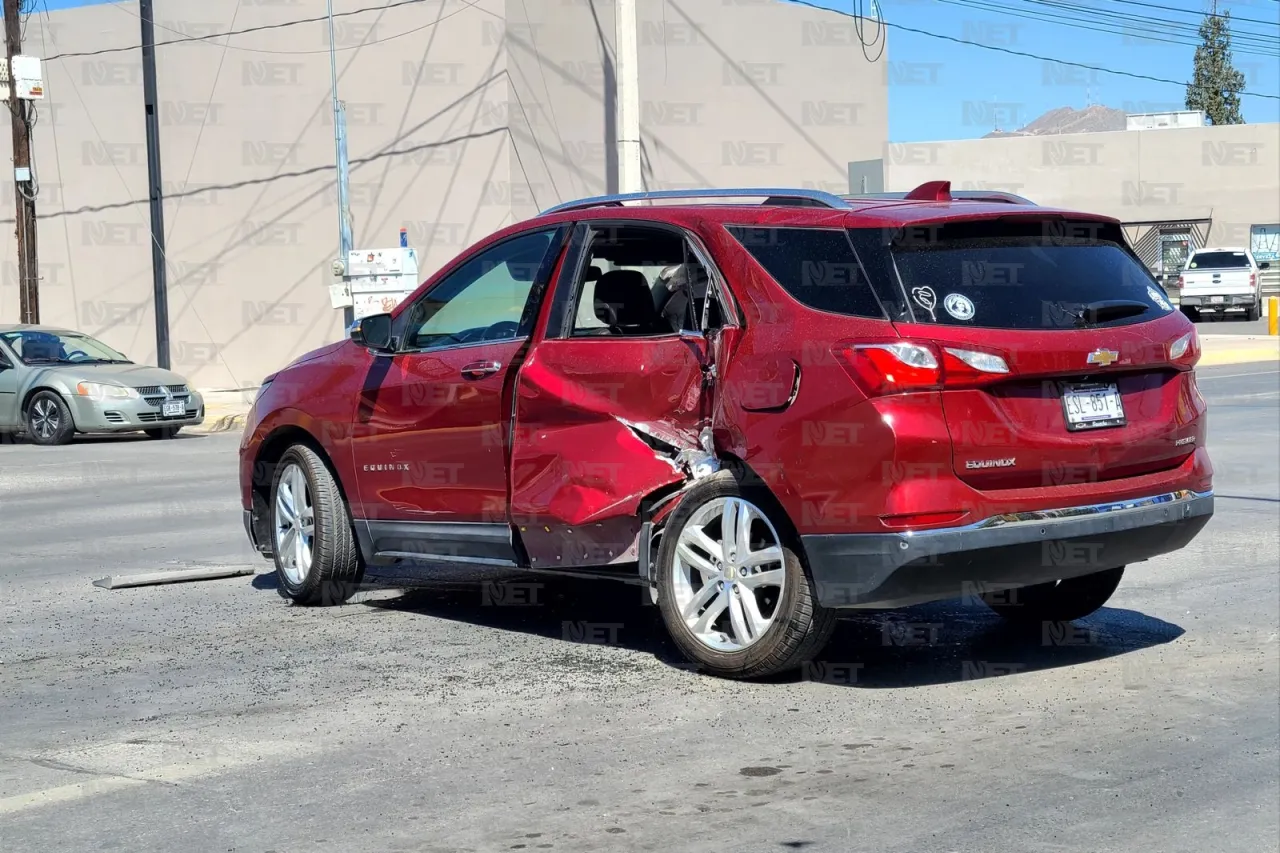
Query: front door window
[[486, 299]]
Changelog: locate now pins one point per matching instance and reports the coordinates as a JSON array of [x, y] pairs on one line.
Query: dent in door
[[600, 425]]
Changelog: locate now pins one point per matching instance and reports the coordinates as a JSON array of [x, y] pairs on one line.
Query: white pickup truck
[[1216, 281]]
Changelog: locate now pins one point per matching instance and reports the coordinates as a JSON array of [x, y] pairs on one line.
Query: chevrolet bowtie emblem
[[1104, 357]]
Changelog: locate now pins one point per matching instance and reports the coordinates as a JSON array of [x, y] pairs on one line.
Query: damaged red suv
[[766, 406]]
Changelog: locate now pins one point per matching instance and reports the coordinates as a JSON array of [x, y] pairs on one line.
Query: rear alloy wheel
[[162, 432], [317, 561], [1059, 601], [733, 595], [49, 420]]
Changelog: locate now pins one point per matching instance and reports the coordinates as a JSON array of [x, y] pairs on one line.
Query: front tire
[[734, 595], [1059, 601], [162, 433], [49, 419], [317, 560]]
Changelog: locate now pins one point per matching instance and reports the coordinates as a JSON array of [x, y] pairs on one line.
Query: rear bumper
[[1210, 303], [859, 570]]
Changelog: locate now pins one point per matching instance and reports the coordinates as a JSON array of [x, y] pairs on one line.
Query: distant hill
[[1094, 119]]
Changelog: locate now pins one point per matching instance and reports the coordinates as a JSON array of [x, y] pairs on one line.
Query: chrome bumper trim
[[1039, 515]]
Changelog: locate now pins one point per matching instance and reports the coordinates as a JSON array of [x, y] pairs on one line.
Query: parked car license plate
[[175, 408], [1216, 299], [1092, 406]]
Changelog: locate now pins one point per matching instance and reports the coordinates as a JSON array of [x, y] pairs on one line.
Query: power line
[[265, 27], [1182, 28], [1023, 53], [1145, 26], [1189, 12], [1188, 29]]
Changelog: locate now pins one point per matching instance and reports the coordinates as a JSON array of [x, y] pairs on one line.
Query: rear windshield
[[1217, 260], [983, 276]]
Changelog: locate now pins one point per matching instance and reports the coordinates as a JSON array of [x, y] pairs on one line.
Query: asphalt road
[[214, 717], [1232, 324]]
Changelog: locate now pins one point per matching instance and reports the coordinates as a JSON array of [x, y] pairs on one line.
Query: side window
[[638, 281], [483, 300], [817, 266]]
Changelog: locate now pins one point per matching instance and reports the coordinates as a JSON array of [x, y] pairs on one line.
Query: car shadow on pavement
[[961, 641], [928, 644]]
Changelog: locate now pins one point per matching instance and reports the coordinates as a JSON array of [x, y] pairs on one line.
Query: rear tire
[[1254, 313], [742, 610], [1059, 601], [313, 545], [49, 420], [162, 433]]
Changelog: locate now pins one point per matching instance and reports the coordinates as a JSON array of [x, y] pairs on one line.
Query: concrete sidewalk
[[1238, 349], [225, 410]]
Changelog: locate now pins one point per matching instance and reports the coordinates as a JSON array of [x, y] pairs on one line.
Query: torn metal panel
[[600, 425]]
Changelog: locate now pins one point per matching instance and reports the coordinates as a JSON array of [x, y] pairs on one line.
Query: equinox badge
[[1104, 357], [979, 464]]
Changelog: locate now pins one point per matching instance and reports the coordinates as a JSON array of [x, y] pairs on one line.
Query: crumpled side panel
[[600, 424]]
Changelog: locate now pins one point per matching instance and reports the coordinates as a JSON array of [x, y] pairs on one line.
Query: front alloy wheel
[[317, 559], [732, 591], [295, 523], [49, 419]]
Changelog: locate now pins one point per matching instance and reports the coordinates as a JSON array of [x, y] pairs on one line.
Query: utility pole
[[340, 160], [159, 278], [23, 186], [626, 73]]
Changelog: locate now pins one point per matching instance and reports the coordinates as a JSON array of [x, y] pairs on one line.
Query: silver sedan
[[55, 383]]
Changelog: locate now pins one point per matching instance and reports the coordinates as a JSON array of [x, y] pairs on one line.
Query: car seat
[[624, 303]]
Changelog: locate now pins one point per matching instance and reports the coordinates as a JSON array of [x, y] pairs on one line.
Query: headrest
[[623, 298]]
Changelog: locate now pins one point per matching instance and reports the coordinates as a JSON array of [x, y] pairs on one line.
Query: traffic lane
[[475, 719], [118, 504], [1244, 433]]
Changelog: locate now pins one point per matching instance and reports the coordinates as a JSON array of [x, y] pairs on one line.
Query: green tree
[[1216, 84]]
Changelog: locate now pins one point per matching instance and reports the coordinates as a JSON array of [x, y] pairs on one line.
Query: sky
[[940, 89]]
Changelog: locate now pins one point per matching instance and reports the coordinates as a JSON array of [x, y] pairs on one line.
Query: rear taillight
[[1253, 281], [1182, 280], [1185, 351], [901, 366]]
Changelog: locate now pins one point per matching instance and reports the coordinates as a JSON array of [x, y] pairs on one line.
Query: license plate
[[176, 408], [1216, 299], [1092, 406]]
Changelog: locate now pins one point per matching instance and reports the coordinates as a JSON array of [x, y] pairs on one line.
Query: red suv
[[764, 405]]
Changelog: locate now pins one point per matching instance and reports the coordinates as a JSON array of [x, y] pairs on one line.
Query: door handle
[[481, 369]]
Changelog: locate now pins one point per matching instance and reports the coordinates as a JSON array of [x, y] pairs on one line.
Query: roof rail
[[771, 195]]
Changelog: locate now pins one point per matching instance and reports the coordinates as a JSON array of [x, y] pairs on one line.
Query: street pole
[[627, 76], [23, 185], [340, 159], [159, 279]]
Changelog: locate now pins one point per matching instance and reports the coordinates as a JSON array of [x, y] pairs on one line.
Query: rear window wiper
[[1109, 309]]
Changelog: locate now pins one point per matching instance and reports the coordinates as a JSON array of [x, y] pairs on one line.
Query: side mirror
[[373, 332], [1265, 265]]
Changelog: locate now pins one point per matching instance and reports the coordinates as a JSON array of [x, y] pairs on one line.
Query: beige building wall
[[1220, 181], [463, 116]]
